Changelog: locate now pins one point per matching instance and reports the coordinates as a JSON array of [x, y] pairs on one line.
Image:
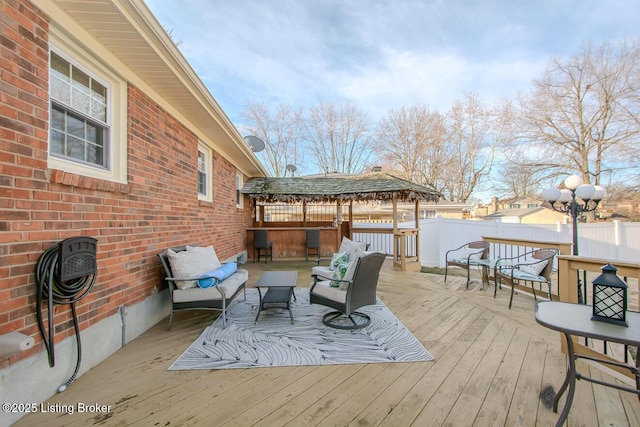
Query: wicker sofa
[[195, 278]]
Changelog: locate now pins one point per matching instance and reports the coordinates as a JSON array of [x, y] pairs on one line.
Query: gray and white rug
[[274, 341]]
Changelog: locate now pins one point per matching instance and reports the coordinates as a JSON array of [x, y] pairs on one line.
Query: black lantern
[[609, 297]]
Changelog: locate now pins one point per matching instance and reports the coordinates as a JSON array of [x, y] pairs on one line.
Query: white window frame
[[116, 140], [239, 185], [207, 196]]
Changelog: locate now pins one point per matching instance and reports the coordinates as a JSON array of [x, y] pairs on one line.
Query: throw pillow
[[348, 275], [471, 254], [216, 276], [206, 251], [338, 258], [534, 269], [193, 262], [338, 274], [352, 247]]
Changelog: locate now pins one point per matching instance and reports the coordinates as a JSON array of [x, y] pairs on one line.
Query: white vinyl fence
[[616, 241]]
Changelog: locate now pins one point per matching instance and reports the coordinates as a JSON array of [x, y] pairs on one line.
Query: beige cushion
[[229, 286], [322, 271], [348, 275], [324, 289], [355, 248], [207, 251], [534, 269], [194, 262]]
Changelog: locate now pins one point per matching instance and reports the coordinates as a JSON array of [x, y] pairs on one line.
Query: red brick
[[133, 222]]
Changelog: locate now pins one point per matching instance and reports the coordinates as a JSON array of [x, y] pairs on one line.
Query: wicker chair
[[213, 298], [353, 293]]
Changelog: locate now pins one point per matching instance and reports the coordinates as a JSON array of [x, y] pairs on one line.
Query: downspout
[[123, 315]]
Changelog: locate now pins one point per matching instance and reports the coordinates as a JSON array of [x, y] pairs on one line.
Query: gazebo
[[341, 190]]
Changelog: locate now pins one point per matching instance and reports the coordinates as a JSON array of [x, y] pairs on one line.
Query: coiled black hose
[[58, 291]]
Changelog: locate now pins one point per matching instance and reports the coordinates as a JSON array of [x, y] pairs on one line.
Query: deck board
[[491, 365], [336, 395], [524, 404], [472, 397], [440, 405]]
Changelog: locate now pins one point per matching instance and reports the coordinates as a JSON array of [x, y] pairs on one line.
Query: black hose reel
[[65, 274]]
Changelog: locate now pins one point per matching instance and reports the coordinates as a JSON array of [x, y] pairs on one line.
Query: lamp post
[[575, 199]]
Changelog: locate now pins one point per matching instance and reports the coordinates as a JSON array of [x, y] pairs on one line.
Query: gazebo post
[[399, 256], [394, 201], [416, 219], [304, 213], [338, 222], [350, 218]]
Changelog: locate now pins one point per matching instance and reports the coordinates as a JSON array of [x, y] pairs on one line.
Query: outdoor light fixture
[[610, 297], [575, 199]]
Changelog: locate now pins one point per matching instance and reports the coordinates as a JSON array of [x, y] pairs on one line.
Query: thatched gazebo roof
[[371, 186]]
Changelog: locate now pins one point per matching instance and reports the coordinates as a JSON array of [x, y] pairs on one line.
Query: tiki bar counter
[[295, 211]]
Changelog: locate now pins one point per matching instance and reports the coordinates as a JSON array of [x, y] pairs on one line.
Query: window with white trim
[[204, 173], [239, 185], [79, 122], [88, 115]]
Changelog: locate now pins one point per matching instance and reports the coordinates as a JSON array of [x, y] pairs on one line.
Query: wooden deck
[[491, 366]]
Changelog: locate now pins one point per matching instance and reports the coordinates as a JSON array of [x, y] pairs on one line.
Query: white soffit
[[128, 30]]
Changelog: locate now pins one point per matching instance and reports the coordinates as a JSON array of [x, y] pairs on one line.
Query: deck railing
[[380, 239], [611, 240], [501, 247]]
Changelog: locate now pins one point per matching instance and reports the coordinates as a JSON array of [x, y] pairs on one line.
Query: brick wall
[[133, 222]]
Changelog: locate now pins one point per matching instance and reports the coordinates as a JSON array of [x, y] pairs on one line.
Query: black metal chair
[[313, 242], [533, 266], [467, 256], [353, 293], [261, 243]]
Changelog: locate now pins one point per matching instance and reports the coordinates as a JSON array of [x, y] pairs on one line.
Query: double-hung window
[[205, 187], [79, 121], [87, 116], [239, 185]]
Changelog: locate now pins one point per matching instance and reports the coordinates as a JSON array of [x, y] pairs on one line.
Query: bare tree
[[338, 137], [474, 130], [280, 132], [518, 180], [412, 142], [452, 153], [582, 115]]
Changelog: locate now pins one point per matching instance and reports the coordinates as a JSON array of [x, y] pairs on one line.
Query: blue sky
[[382, 54]]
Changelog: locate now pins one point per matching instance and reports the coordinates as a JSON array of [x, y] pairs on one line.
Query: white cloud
[[382, 54], [434, 80]]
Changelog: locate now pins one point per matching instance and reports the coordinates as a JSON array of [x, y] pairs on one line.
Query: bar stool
[[261, 242], [313, 242]]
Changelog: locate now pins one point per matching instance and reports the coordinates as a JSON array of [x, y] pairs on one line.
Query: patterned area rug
[[274, 341]]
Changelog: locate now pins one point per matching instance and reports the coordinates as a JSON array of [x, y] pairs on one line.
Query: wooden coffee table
[[279, 285]]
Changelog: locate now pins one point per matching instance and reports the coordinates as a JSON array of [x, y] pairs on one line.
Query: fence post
[[616, 237], [439, 231]]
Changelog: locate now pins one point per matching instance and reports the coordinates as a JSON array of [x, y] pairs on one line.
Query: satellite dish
[[255, 143], [292, 168]]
